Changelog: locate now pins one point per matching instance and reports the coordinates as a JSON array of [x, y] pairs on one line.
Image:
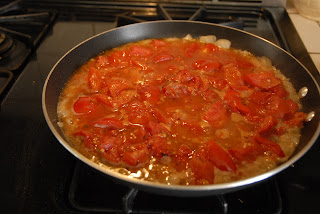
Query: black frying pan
[[289, 66]]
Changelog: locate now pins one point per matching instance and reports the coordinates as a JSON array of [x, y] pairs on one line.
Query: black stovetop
[[40, 176]]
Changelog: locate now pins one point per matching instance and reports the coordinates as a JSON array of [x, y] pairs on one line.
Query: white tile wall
[[309, 32]]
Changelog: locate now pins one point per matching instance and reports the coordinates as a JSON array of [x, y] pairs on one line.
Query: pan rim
[[212, 188]]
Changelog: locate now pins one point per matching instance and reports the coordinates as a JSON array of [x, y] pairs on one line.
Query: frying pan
[[289, 66]]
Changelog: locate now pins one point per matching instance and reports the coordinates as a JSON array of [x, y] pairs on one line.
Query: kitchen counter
[[309, 32]]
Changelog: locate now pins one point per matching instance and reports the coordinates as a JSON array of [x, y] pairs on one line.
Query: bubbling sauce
[[181, 111]]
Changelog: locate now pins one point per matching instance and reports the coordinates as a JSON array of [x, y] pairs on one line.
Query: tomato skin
[[220, 157], [102, 61], [162, 57], [109, 123], [264, 80], [84, 105], [216, 115], [270, 146]]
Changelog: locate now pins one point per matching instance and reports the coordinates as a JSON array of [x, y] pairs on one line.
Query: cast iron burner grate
[[93, 192], [20, 33]]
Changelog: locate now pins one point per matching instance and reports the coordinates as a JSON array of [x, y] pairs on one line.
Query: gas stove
[[40, 176]]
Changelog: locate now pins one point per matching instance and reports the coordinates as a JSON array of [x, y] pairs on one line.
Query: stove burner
[[20, 32], [5, 80], [6, 44]]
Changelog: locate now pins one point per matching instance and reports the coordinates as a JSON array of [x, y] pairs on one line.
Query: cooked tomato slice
[[162, 57], [216, 115], [158, 146], [234, 77], [220, 157], [209, 48], [149, 93], [234, 101], [94, 79], [203, 169], [264, 80], [270, 146], [104, 99], [296, 119], [139, 155], [87, 138], [109, 123], [138, 50], [110, 148], [116, 85], [206, 65], [267, 124], [217, 82], [158, 43], [102, 60], [84, 105], [248, 152], [191, 49]]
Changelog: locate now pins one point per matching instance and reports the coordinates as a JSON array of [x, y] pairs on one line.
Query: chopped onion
[[208, 39], [188, 37], [223, 43]]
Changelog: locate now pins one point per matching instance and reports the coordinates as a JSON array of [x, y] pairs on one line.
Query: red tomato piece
[[119, 58], [243, 63], [104, 99], [206, 65], [210, 95], [216, 115], [162, 57], [202, 169], [220, 157], [138, 156], [94, 79], [142, 65], [110, 148], [270, 146], [264, 80], [217, 82], [155, 128], [158, 146], [296, 119], [267, 124], [102, 61], [279, 90], [235, 102], [191, 49], [87, 139], [116, 85], [234, 77], [84, 105], [209, 48], [138, 50], [109, 123], [149, 93], [248, 152], [158, 43]]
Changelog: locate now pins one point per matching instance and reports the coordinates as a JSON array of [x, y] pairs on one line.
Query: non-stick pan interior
[[288, 65]]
